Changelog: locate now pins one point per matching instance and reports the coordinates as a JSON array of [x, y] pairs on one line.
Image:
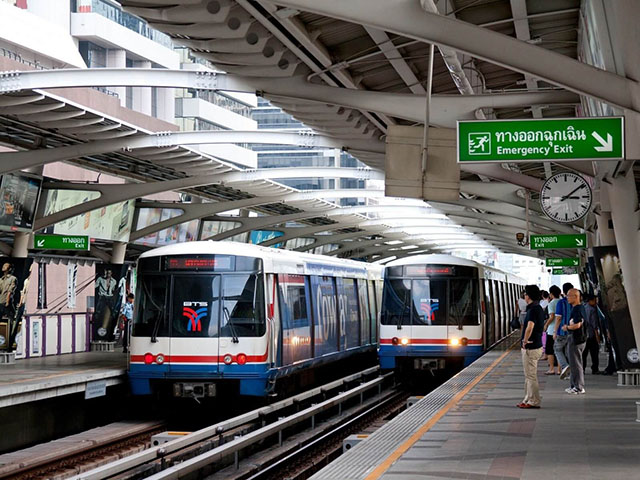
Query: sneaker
[[582, 391], [565, 372], [571, 391]]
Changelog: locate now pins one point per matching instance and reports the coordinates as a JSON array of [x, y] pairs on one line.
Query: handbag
[[515, 322]]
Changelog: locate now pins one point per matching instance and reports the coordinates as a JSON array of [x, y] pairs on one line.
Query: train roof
[[438, 259], [310, 261]]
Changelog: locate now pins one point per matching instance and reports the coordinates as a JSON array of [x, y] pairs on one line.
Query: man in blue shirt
[[126, 316], [561, 338]]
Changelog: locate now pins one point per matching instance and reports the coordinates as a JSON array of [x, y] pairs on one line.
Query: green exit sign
[[563, 262], [597, 138], [549, 242], [565, 271], [60, 242]]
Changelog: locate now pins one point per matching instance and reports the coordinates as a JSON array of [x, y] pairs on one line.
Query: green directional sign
[[557, 271], [548, 242], [563, 262], [61, 242], [594, 138], [565, 271]]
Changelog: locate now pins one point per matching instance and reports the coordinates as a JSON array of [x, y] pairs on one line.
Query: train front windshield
[[430, 295], [199, 296]]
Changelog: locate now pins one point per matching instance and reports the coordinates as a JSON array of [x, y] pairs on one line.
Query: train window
[[349, 331], [429, 302], [151, 299], [463, 302], [324, 312], [397, 302], [373, 311], [195, 306], [296, 328], [242, 306]]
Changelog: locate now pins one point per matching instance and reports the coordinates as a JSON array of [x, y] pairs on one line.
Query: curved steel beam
[[408, 19], [13, 161]]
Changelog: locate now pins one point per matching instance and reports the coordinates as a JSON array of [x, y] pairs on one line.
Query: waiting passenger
[[550, 328], [531, 347], [577, 339], [561, 338], [593, 334], [521, 309]]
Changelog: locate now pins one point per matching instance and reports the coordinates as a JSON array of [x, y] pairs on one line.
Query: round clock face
[[565, 197]]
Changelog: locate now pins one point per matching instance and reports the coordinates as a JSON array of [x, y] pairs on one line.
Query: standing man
[[561, 337], [126, 316], [554, 295], [531, 346], [577, 340], [593, 334]]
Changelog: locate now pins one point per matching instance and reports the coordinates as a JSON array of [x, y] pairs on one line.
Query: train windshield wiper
[[234, 335]]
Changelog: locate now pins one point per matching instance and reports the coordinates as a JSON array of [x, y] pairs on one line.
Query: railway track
[[68, 456], [242, 446]]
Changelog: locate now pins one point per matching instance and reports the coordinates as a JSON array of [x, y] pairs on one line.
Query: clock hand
[[570, 193]]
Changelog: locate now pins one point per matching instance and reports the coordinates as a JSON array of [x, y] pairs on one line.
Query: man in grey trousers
[[577, 341], [561, 337]]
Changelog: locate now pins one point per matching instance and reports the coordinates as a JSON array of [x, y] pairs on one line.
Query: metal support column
[[623, 198], [118, 252]]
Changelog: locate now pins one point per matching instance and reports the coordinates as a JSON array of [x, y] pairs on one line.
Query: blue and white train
[[217, 318], [439, 310]]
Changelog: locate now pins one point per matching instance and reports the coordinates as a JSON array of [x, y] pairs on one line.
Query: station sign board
[[563, 262], [565, 271], [594, 138], [60, 242], [549, 242]]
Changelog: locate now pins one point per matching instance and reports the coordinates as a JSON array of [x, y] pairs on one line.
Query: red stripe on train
[[200, 358]]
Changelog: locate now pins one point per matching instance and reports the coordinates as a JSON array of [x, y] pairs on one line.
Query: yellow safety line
[[390, 460]]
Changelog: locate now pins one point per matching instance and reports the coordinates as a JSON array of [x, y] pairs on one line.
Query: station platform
[[35, 379], [470, 428]]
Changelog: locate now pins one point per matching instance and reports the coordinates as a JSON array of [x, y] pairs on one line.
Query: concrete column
[[606, 235], [118, 59], [623, 198], [142, 95], [166, 107], [21, 245], [118, 252]]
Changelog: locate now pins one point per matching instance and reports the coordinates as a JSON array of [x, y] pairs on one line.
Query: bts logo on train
[[195, 312]]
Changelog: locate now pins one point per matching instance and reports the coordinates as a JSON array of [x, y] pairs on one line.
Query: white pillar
[[118, 252], [166, 104], [623, 198], [142, 95], [118, 59], [21, 245]]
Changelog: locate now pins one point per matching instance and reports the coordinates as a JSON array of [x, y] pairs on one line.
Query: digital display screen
[[217, 263], [19, 195], [423, 270]]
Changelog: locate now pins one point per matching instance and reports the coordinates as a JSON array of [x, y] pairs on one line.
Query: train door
[[195, 323], [496, 309], [489, 332]]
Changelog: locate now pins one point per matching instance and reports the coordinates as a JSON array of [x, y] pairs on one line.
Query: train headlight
[[148, 358], [454, 342], [395, 340], [241, 359], [464, 341], [404, 341], [160, 359], [227, 359]]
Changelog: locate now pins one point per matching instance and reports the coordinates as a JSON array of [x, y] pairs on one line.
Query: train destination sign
[[61, 242], [563, 262], [548, 242], [599, 138]]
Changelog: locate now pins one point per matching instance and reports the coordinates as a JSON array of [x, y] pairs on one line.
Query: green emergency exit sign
[[60, 242], [563, 262], [596, 138]]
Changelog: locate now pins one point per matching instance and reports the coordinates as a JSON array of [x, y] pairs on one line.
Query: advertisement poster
[[107, 223], [110, 292], [14, 286], [184, 232], [259, 236], [19, 194], [72, 280], [614, 305]]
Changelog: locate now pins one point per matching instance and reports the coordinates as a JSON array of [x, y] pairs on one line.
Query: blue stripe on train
[[388, 353]]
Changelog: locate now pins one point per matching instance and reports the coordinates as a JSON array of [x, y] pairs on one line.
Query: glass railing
[[131, 22]]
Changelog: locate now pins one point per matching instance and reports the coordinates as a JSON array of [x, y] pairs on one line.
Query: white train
[[213, 318], [439, 309]]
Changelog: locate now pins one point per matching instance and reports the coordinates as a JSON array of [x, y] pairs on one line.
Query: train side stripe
[[433, 341], [201, 358]]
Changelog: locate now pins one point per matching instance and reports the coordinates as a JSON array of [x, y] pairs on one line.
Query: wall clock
[[566, 197]]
